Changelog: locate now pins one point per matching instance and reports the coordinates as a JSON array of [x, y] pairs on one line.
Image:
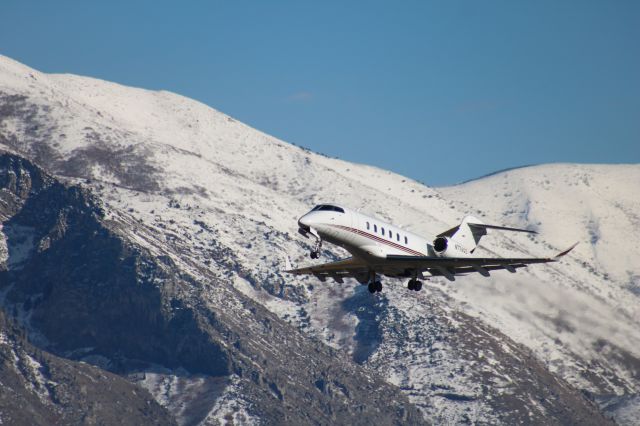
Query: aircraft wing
[[395, 265], [345, 268], [451, 266]]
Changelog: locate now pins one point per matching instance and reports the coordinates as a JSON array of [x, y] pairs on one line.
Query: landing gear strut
[[315, 253], [415, 285], [374, 283]]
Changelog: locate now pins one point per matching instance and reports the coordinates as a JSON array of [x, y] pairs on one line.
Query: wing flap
[[462, 265], [459, 262], [470, 269], [338, 268], [397, 264]]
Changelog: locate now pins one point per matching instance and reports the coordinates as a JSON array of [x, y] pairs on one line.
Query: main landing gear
[[414, 285], [375, 286]]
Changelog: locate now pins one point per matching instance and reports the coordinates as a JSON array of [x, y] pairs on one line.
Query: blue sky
[[439, 91]]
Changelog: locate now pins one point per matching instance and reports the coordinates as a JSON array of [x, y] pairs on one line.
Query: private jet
[[379, 248]]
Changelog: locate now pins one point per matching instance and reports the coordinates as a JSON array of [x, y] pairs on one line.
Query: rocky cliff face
[[38, 388], [86, 292], [143, 234], [82, 285]]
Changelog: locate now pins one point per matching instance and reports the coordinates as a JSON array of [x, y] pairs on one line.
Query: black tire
[[378, 286], [314, 255], [372, 287], [418, 286], [411, 285]]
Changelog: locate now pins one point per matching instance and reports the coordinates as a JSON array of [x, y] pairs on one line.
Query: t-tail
[[462, 240]]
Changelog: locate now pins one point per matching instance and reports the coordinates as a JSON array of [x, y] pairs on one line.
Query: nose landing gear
[[315, 253]]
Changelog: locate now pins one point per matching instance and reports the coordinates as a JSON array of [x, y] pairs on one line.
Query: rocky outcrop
[[83, 287], [147, 242], [85, 291], [38, 388]]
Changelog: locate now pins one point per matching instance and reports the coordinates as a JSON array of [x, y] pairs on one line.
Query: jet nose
[[304, 222]]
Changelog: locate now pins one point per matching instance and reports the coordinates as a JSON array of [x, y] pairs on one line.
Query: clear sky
[[439, 91]]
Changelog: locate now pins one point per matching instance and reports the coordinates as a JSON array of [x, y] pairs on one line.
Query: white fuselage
[[363, 236], [380, 248]]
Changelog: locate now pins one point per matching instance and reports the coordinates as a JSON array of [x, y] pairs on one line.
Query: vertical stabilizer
[[468, 236]]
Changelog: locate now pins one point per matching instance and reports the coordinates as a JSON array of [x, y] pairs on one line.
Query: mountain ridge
[[217, 197]]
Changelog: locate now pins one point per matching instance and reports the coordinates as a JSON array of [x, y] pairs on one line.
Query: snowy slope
[[195, 175], [592, 311]]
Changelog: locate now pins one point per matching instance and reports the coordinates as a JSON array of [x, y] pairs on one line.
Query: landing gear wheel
[[375, 286], [414, 285], [315, 253]]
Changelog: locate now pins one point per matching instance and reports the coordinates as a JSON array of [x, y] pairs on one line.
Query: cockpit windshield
[[328, 207]]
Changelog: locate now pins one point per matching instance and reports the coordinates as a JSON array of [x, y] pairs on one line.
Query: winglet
[[559, 255], [287, 263]]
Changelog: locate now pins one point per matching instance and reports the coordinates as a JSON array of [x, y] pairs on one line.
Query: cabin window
[[391, 235], [406, 241], [382, 229], [367, 226], [375, 228], [397, 237]]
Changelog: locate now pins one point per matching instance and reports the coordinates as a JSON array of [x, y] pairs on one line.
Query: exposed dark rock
[[183, 301], [90, 292], [92, 286], [38, 388]]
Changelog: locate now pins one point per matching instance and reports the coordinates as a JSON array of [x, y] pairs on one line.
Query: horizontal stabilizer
[[502, 228], [479, 229]]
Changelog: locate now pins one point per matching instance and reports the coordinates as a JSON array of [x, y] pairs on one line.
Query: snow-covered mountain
[[202, 210], [593, 311]]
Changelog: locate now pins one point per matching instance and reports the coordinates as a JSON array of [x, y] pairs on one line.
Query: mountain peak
[[199, 208]]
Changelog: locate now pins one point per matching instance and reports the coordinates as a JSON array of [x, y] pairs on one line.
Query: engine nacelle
[[444, 247], [440, 245]]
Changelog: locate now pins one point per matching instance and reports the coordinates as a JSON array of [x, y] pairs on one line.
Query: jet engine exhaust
[[440, 244]]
